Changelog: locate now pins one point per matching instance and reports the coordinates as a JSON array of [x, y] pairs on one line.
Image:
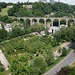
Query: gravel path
[[4, 61]]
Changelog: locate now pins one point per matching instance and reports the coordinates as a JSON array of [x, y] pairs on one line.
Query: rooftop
[[55, 28]]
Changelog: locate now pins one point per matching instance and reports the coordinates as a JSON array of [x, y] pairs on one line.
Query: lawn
[[4, 11], [6, 72], [73, 65]]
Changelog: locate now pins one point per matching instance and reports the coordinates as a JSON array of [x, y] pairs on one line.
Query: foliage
[[3, 4], [17, 31], [6, 19], [67, 34], [0, 9], [1, 67], [18, 10], [59, 14], [3, 33], [46, 31], [63, 71], [72, 71], [60, 50], [36, 50], [40, 9], [34, 46], [19, 66], [9, 48], [49, 58], [67, 71], [38, 66], [64, 51]]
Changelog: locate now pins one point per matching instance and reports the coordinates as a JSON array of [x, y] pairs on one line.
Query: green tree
[[9, 48], [25, 25], [59, 50], [19, 66], [0, 9], [38, 66], [64, 51], [3, 33], [49, 58], [1, 67], [16, 32]]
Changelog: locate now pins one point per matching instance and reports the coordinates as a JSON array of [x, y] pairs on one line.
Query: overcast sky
[[14, 1]]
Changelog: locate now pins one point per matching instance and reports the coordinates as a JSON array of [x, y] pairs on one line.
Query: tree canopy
[[40, 9]]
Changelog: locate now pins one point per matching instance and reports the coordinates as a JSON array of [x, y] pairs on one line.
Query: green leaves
[[67, 34], [19, 65], [9, 48], [1, 67], [39, 65], [3, 33]]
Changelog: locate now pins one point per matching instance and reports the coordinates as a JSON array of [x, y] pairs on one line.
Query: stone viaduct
[[45, 19]]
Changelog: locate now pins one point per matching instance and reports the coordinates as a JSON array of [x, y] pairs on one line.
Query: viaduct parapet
[[46, 18]]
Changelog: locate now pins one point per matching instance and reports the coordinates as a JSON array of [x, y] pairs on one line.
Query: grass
[[73, 65], [4, 11], [6, 72]]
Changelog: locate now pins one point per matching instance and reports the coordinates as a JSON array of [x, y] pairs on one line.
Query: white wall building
[[62, 25], [8, 27], [45, 1], [53, 29], [51, 1]]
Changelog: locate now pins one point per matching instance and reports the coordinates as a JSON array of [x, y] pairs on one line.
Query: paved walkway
[[4, 61], [68, 60], [66, 45]]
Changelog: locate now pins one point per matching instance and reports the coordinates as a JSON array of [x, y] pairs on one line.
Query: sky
[[72, 2]]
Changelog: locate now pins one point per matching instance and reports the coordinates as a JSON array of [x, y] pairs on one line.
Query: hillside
[[4, 11]]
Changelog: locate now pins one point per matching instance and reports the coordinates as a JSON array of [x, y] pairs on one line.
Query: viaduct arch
[[45, 19]]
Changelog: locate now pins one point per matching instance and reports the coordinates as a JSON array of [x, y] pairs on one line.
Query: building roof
[[55, 28], [28, 6], [62, 25], [8, 26]]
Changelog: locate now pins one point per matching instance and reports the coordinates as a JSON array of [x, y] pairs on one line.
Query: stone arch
[[21, 20], [56, 22], [70, 22], [34, 21], [48, 20], [41, 20], [63, 21], [48, 23], [28, 22]]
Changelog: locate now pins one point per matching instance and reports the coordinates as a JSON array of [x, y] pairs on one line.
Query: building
[[28, 6], [45, 1], [8, 27], [53, 29], [62, 25], [51, 1]]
